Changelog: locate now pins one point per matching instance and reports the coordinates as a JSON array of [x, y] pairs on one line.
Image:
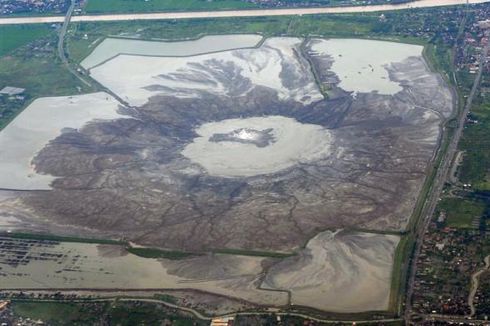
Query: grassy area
[[102, 313], [13, 36], [158, 253], [40, 77], [475, 168], [146, 314], [106, 6], [53, 312], [399, 273], [166, 297], [461, 212], [440, 58]]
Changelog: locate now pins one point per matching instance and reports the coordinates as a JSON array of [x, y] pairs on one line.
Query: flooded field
[[333, 269], [112, 47], [45, 264]]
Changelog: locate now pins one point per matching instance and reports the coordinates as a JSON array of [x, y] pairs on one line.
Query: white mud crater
[[293, 143]]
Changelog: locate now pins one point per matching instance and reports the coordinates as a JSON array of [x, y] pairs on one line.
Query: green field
[[53, 312], [461, 212], [476, 144], [102, 313], [40, 76], [105, 6], [13, 36]]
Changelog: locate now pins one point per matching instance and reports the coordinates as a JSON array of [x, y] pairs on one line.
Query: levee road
[[239, 13]]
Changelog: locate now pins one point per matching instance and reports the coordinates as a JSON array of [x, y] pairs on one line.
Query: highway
[[239, 13]]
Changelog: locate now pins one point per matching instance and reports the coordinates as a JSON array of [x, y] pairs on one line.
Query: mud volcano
[[175, 172], [267, 149], [232, 148]]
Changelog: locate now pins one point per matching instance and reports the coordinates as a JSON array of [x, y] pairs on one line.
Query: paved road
[[440, 179], [62, 32], [61, 41], [239, 13]]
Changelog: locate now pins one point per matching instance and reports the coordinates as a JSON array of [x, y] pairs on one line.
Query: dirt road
[[239, 13]]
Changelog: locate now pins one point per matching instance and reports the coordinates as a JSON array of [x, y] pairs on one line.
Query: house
[[222, 321], [11, 91]]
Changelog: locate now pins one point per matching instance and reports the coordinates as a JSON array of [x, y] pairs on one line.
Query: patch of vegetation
[[483, 304], [400, 270], [117, 313], [158, 253], [13, 36], [54, 313], [115, 6], [166, 297], [146, 314], [460, 212], [439, 56], [475, 168]]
